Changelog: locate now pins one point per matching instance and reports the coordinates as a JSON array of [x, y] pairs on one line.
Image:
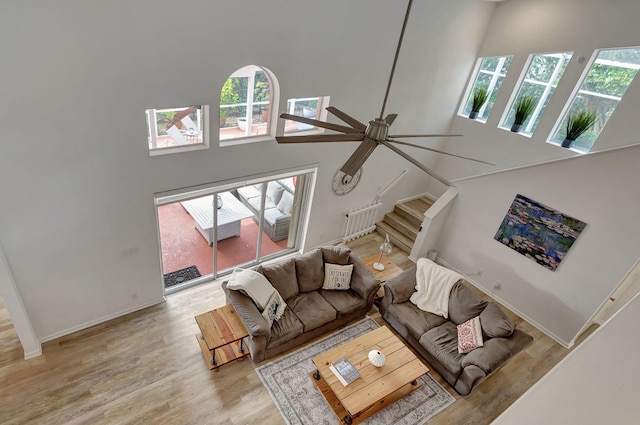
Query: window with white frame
[[246, 101], [603, 86], [177, 129], [308, 107], [538, 84], [489, 77]]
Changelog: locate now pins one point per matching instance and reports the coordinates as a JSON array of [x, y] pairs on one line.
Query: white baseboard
[[34, 353], [103, 319], [411, 198], [524, 316]]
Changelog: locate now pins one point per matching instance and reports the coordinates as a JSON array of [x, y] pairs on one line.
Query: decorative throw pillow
[[337, 276], [252, 284], [274, 192], [469, 335], [286, 203], [274, 309]]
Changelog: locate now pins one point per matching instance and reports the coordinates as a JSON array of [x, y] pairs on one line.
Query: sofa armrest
[[400, 288], [247, 312], [363, 282]]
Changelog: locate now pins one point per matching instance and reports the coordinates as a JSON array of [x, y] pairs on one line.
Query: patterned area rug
[[300, 403], [181, 276]]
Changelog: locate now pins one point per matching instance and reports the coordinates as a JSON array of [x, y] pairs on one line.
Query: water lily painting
[[538, 232]]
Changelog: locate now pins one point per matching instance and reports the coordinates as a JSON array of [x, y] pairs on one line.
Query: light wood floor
[[147, 368]]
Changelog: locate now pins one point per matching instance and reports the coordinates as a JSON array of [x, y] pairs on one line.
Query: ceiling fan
[[375, 133]]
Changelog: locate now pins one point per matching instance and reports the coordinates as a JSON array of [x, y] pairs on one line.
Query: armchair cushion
[[344, 302], [288, 327], [336, 254], [495, 323]]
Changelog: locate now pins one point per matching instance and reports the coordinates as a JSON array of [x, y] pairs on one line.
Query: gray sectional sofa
[[436, 338], [277, 208], [311, 311]]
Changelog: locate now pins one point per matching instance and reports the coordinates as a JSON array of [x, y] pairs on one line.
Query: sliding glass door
[[207, 232]]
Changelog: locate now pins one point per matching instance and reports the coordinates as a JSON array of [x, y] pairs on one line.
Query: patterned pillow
[[469, 335], [337, 276], [274, 308]]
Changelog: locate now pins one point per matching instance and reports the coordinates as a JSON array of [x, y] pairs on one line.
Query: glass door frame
[[299, 216]]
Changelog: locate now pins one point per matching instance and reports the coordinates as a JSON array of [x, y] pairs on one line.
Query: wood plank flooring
[[147, 368]]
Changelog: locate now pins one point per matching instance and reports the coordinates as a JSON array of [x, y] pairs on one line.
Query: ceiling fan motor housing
[[378, 129]]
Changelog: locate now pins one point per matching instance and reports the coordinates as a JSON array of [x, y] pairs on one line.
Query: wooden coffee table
[[220, 338], [376, 388]]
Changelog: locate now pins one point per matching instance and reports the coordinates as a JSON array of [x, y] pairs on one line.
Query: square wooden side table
[[390, 270], [220, 338]]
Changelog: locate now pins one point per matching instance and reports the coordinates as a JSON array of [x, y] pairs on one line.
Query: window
[[490, 75], [308, 107], [246, 101], [539, 82], [602, 88], [177, 129]]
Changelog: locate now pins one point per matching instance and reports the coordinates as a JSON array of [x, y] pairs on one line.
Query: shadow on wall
[[527, 300]]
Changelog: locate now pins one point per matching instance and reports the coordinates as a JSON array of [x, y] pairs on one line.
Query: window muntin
[[491, 74], [540, 81], [604, 85], [245, 104], [308, 107], [176, 129]]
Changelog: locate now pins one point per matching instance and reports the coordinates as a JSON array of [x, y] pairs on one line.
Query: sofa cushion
[[469, 335], [274, 192], [336, 254], [415, 320], [249, 192], [255, 203], [286, 328], [252, 284], [337, 277], [344, 302], [310, 270], [272, 215], [494, 353], [286, 203], [495, 323], [464, 304], [312, 310], [282, 276], [442, 343]]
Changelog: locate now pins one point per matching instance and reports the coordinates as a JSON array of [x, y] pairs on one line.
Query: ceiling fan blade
[[328, 125], [423, 135], [417, 164], [391, 118], [358, 157], [435, 150], [347, 118], [318, 138]]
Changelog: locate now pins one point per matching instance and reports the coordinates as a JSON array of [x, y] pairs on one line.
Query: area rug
[[300, 403], [181, 276]]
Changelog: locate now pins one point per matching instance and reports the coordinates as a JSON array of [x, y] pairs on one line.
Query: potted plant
[[577, 124], [480, 96], [524, 108]]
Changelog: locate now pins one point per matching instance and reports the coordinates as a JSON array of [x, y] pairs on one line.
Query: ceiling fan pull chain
[[395, 59]]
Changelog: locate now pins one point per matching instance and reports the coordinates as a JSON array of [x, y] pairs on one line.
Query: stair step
[[396, 238], [420, 204], [412, 215], [401, 225]]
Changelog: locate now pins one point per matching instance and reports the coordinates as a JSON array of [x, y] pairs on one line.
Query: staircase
[[403, 223]]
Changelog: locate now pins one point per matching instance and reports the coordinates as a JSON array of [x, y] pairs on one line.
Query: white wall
[[77, 220], [598, 189], [595, 384], [524, 27]]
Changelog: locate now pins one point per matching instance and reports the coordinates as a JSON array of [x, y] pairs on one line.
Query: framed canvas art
[[538, 232]]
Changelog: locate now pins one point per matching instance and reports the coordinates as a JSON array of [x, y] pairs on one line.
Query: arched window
[[247, 105]]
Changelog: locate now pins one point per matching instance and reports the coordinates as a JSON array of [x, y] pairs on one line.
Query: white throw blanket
[[433, 286]]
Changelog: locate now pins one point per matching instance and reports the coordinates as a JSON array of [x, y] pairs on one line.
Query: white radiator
[[361, 221]]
